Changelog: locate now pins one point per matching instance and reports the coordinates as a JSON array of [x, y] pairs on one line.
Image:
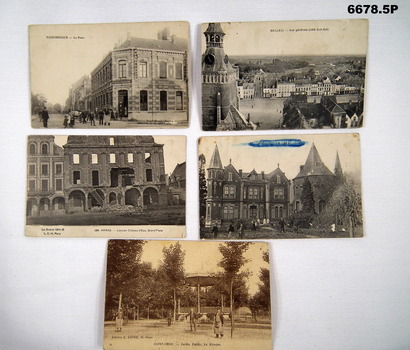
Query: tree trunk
[[175, 303], [231, 302], [351, 231]]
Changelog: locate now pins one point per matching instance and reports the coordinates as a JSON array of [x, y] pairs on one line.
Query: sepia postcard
[[276, 186], [106, 186], [187, 295], [283, 75], [118, 75]]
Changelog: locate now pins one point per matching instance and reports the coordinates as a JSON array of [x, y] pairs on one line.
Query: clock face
[[226, 59], [209, 59]]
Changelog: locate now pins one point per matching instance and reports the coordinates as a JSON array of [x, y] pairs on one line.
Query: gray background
[[327, 294]]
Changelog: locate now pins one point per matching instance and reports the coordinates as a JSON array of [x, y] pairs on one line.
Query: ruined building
[[94, 171]]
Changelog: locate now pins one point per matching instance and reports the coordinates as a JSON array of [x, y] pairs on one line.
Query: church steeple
[[338, 167], [215, 162]]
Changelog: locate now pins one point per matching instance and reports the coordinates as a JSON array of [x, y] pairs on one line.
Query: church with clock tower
[[219, 86]]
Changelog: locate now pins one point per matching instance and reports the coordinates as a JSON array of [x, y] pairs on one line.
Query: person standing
[[192, 320], [219, 323], [45, 117], [215, 231], [118, 320], [282, 225], [231, 230], [241, 230]]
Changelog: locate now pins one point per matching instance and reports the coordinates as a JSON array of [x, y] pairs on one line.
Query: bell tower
[[219, 90]]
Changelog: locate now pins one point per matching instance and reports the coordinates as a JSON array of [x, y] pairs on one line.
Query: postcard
[[118, 75], [106, 186], [187, 295], [283, 75], [277, 186]]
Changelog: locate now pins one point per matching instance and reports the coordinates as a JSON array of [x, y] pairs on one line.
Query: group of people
[[104, 116], [239, 228], [218, 322]]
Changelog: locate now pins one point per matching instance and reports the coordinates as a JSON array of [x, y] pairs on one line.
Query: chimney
[[165, 34], [240, 172], [301, 167], [263, 175]]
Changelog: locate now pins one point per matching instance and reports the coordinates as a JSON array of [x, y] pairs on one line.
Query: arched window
[[44, 149], [229, 176], [32, 149], [232, 191], [226, 191]]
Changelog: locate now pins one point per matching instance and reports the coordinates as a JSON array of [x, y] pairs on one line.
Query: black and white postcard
[[283, 75], [293, 186], [187, 295], [106, 186], [118, 75]]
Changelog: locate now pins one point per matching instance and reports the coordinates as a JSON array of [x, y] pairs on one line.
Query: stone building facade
[[236, 195], [144, 79], [95, 172], [45, 176]]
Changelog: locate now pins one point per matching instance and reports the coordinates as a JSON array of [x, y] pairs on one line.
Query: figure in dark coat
[[45, 117]]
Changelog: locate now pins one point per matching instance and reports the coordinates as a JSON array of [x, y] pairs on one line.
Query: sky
[[288, 38], [56, 64], [266, 159], [174, 149], [203, 257]]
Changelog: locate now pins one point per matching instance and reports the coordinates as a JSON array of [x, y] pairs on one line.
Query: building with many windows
[[94, 172], [45, 176], [236, 195], [144, 79]]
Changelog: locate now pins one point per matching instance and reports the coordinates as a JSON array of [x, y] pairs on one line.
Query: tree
[[307, 197], [57, 108], [202, 187], [38, 101], [124, 270], [173, 266], [232, 261], [345, 206], [261, 300]]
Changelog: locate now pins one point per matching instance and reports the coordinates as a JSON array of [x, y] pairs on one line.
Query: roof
[[215, 159], [214, 28], [89, 141], [337, 162], [179, 171], [314, 165], [176, 44]]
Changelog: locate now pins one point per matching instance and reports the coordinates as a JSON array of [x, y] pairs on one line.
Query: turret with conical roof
[[314, 165], [215, 162], [214, 188], [321, 178]]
